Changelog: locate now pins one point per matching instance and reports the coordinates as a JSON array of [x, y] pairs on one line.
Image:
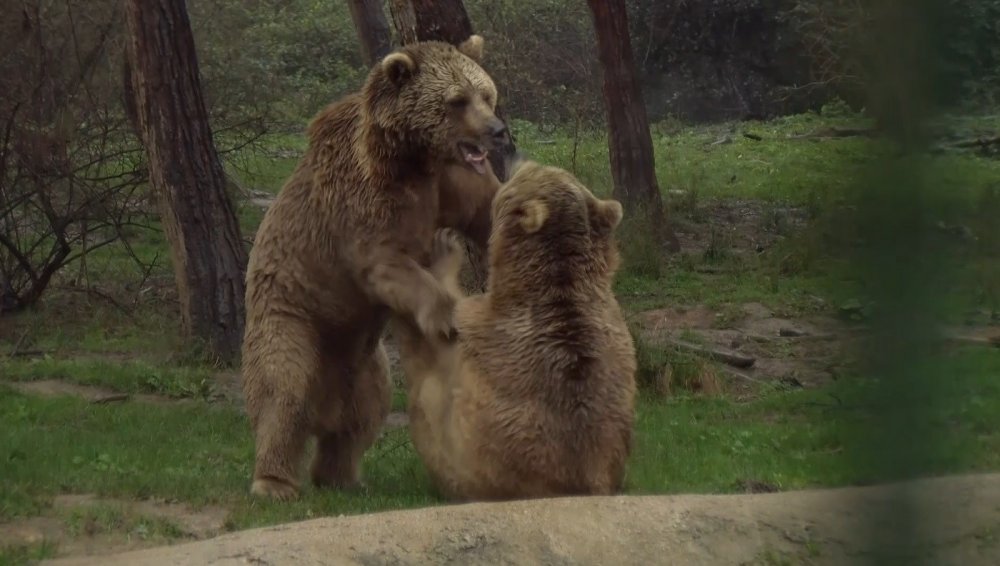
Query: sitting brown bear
[[347, 242], [536, 396]]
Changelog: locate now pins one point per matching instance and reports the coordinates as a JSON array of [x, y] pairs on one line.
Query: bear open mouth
[[474, 155]]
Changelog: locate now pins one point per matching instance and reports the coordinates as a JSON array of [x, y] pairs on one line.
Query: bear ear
[[472, 47], [605, 215], [534, 213], [399, 67]]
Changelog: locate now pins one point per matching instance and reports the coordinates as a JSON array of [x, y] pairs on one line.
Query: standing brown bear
[[536, 398], [346, 243]]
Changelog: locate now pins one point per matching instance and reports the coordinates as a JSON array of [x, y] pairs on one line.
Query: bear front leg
[[339, 452], [404, 286]]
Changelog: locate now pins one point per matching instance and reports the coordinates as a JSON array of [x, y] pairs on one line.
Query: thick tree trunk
[[447, 20], [373, 29], [629, 140], [184, 169], [431, 20]]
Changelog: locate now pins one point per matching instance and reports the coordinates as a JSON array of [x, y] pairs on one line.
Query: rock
[[801, 527]]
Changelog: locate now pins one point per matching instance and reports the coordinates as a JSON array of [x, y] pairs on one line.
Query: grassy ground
[[121, 337]]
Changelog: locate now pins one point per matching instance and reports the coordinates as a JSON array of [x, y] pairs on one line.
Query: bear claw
[[275, 490], [445, 244]]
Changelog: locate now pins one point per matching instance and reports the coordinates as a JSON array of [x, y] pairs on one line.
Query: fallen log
[[976, 142], [725, 355], [836, 133]]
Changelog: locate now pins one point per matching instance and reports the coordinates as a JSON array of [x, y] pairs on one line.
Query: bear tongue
[[478, 162]]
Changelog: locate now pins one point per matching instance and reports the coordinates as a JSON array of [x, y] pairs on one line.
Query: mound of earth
[[837, 526]]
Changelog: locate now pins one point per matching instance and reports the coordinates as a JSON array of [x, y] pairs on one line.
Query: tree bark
[[199, 220], [441, 20], [447, 20], [373, 29], [629, 141]]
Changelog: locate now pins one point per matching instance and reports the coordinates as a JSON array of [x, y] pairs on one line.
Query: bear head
[[549, 228], [433, 98]]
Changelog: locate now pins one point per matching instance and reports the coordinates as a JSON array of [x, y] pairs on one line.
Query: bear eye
[[458, 102]]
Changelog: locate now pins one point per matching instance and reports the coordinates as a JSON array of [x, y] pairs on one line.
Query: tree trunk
[[447, 20], [629, 142], [373, 29], [441, 20], [185, 172]]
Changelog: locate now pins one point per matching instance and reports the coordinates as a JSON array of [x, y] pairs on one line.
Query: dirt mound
[[810, 527]]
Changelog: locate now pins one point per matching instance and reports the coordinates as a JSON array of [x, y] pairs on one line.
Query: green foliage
[[542, 56], [289, 57], [973, 50], [961, 48]]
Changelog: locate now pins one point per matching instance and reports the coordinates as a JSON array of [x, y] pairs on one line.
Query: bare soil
[[839, 526], [803, 352], [55, 388], [89, 537]]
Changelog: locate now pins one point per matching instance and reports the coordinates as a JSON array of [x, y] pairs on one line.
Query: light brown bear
[[536, 397], [346, 243]]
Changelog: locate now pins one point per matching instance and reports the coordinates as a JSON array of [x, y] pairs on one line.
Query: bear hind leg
[[280, 444], [339, 452], [280, 369]]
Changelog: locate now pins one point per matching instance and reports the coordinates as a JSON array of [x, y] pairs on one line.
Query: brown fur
[[346, 243], [536, 397]]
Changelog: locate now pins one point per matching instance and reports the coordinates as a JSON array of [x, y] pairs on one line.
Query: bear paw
[[447, 254], [436, 317], [445, 246], [272, 489]]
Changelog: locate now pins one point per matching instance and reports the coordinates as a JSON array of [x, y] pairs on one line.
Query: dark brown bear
[[346, 243]]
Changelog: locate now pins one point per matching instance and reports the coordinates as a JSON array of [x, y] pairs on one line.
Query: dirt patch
[[677, 318], [983, 335], [803, 352], [734, 227], [261, 199], [806, 527], [88, 525], [228, 387], [800, 352], [396, 420], [98, 395]]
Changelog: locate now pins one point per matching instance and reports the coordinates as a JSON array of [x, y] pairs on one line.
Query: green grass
[[202, 454], [126, 339], [267, 170], [808, 438], [99, 518], [126, 376], [774, 168], [19, 555]]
